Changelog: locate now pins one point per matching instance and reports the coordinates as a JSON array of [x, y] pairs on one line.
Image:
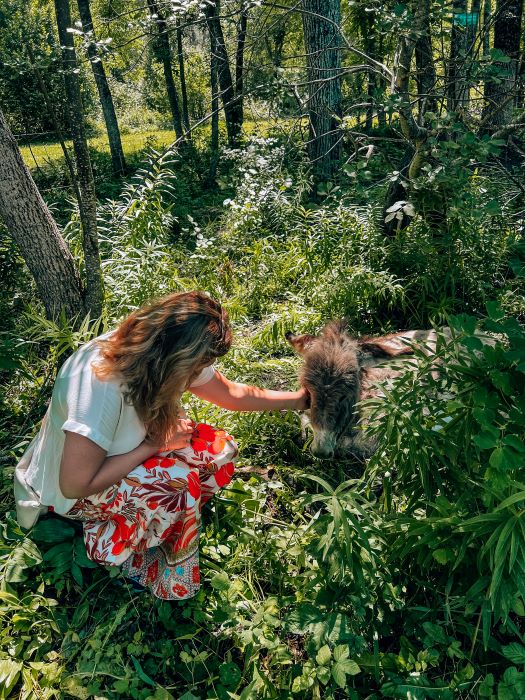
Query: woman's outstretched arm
[[243, 397]]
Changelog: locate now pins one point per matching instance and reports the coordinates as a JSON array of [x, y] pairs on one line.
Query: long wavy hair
[[159, 349]]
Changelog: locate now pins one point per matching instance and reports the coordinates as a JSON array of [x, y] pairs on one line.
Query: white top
[[83, 404]]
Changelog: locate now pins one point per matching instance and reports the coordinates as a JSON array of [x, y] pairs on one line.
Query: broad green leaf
[[229, 673], [220, 582], [9, 674], [341, 652], [350, 667], [52, 530], [339, 675], [514, 652], [323, 673], [443, 555], [140, 672], [497, 458], [485, 440], [323, 655]]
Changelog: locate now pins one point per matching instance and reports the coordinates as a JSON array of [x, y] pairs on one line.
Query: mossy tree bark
[[29, 222], [321, 27]]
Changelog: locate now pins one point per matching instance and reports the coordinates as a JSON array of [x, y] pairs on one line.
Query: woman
[[115, 451]]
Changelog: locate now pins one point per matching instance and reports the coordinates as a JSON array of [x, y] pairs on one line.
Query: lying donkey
[[338, 371]]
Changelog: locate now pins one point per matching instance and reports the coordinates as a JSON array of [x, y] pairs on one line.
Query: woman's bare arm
[[243, 397], [86, 469]]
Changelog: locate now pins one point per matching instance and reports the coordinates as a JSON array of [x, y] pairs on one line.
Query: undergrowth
[[399, 578]]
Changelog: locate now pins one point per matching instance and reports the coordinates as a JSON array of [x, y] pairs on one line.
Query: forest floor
[[396, 578]]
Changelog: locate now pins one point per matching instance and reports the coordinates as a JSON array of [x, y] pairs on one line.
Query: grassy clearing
[[44, 154], [40, 155]]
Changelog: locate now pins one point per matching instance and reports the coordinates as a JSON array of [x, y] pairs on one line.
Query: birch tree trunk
[[321, 23], [88, 203], [29, 222], [118, 161]]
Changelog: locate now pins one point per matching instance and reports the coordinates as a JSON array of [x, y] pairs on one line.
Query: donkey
[[338, 371]]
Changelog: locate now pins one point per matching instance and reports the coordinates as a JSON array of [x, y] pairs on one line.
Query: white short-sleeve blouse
[[83, 404]]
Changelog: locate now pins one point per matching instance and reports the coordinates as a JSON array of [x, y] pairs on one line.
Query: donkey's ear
[[300, 343], [375, 351]]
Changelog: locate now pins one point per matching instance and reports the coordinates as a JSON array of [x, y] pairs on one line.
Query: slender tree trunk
[[118, 161], [380, 82], [162, 51], [232, 111], [457, 84], [487, 14], [321, 22], [416, 135], [29, 222], [214, 142], [370, 49], [426, 73], [275, 50], [88, 203], [501, 96], [239, 58], [182, 78]]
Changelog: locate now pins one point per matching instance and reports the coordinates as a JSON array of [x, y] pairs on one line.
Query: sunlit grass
[[42, 154]]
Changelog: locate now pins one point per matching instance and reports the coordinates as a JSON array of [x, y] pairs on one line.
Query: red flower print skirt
[[149, 522]]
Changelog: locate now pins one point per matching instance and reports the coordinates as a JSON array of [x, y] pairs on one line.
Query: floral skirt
[[149, 522]]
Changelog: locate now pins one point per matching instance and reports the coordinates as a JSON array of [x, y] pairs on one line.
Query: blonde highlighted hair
[[159, 349]]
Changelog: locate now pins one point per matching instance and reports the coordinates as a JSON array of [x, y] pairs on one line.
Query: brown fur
[[337, 374]]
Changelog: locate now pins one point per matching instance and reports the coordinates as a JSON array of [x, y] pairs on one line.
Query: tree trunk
[[370, 50], [232, 111], [457, 85], [487, 15], [106, 100], [321, 22], [214, 142], [239, 59], [162, 52], [29, 222], [416, 135], [182, 78], [426, 73], [88, 203], [501, 96]]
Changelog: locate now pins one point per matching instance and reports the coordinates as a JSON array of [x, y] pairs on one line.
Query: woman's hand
[[179, 437], [303, 400]]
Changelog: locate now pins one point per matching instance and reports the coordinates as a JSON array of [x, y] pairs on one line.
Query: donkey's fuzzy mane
[[332, 370]]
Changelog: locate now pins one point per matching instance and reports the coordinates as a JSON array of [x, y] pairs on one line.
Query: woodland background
[[300, 161]]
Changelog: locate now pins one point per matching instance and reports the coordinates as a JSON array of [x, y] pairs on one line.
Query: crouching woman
[[115, 451]]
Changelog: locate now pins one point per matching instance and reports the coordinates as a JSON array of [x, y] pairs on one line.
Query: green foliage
[[405, 582]]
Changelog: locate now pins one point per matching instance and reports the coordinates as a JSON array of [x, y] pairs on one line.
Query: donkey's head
[[332, 373]]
